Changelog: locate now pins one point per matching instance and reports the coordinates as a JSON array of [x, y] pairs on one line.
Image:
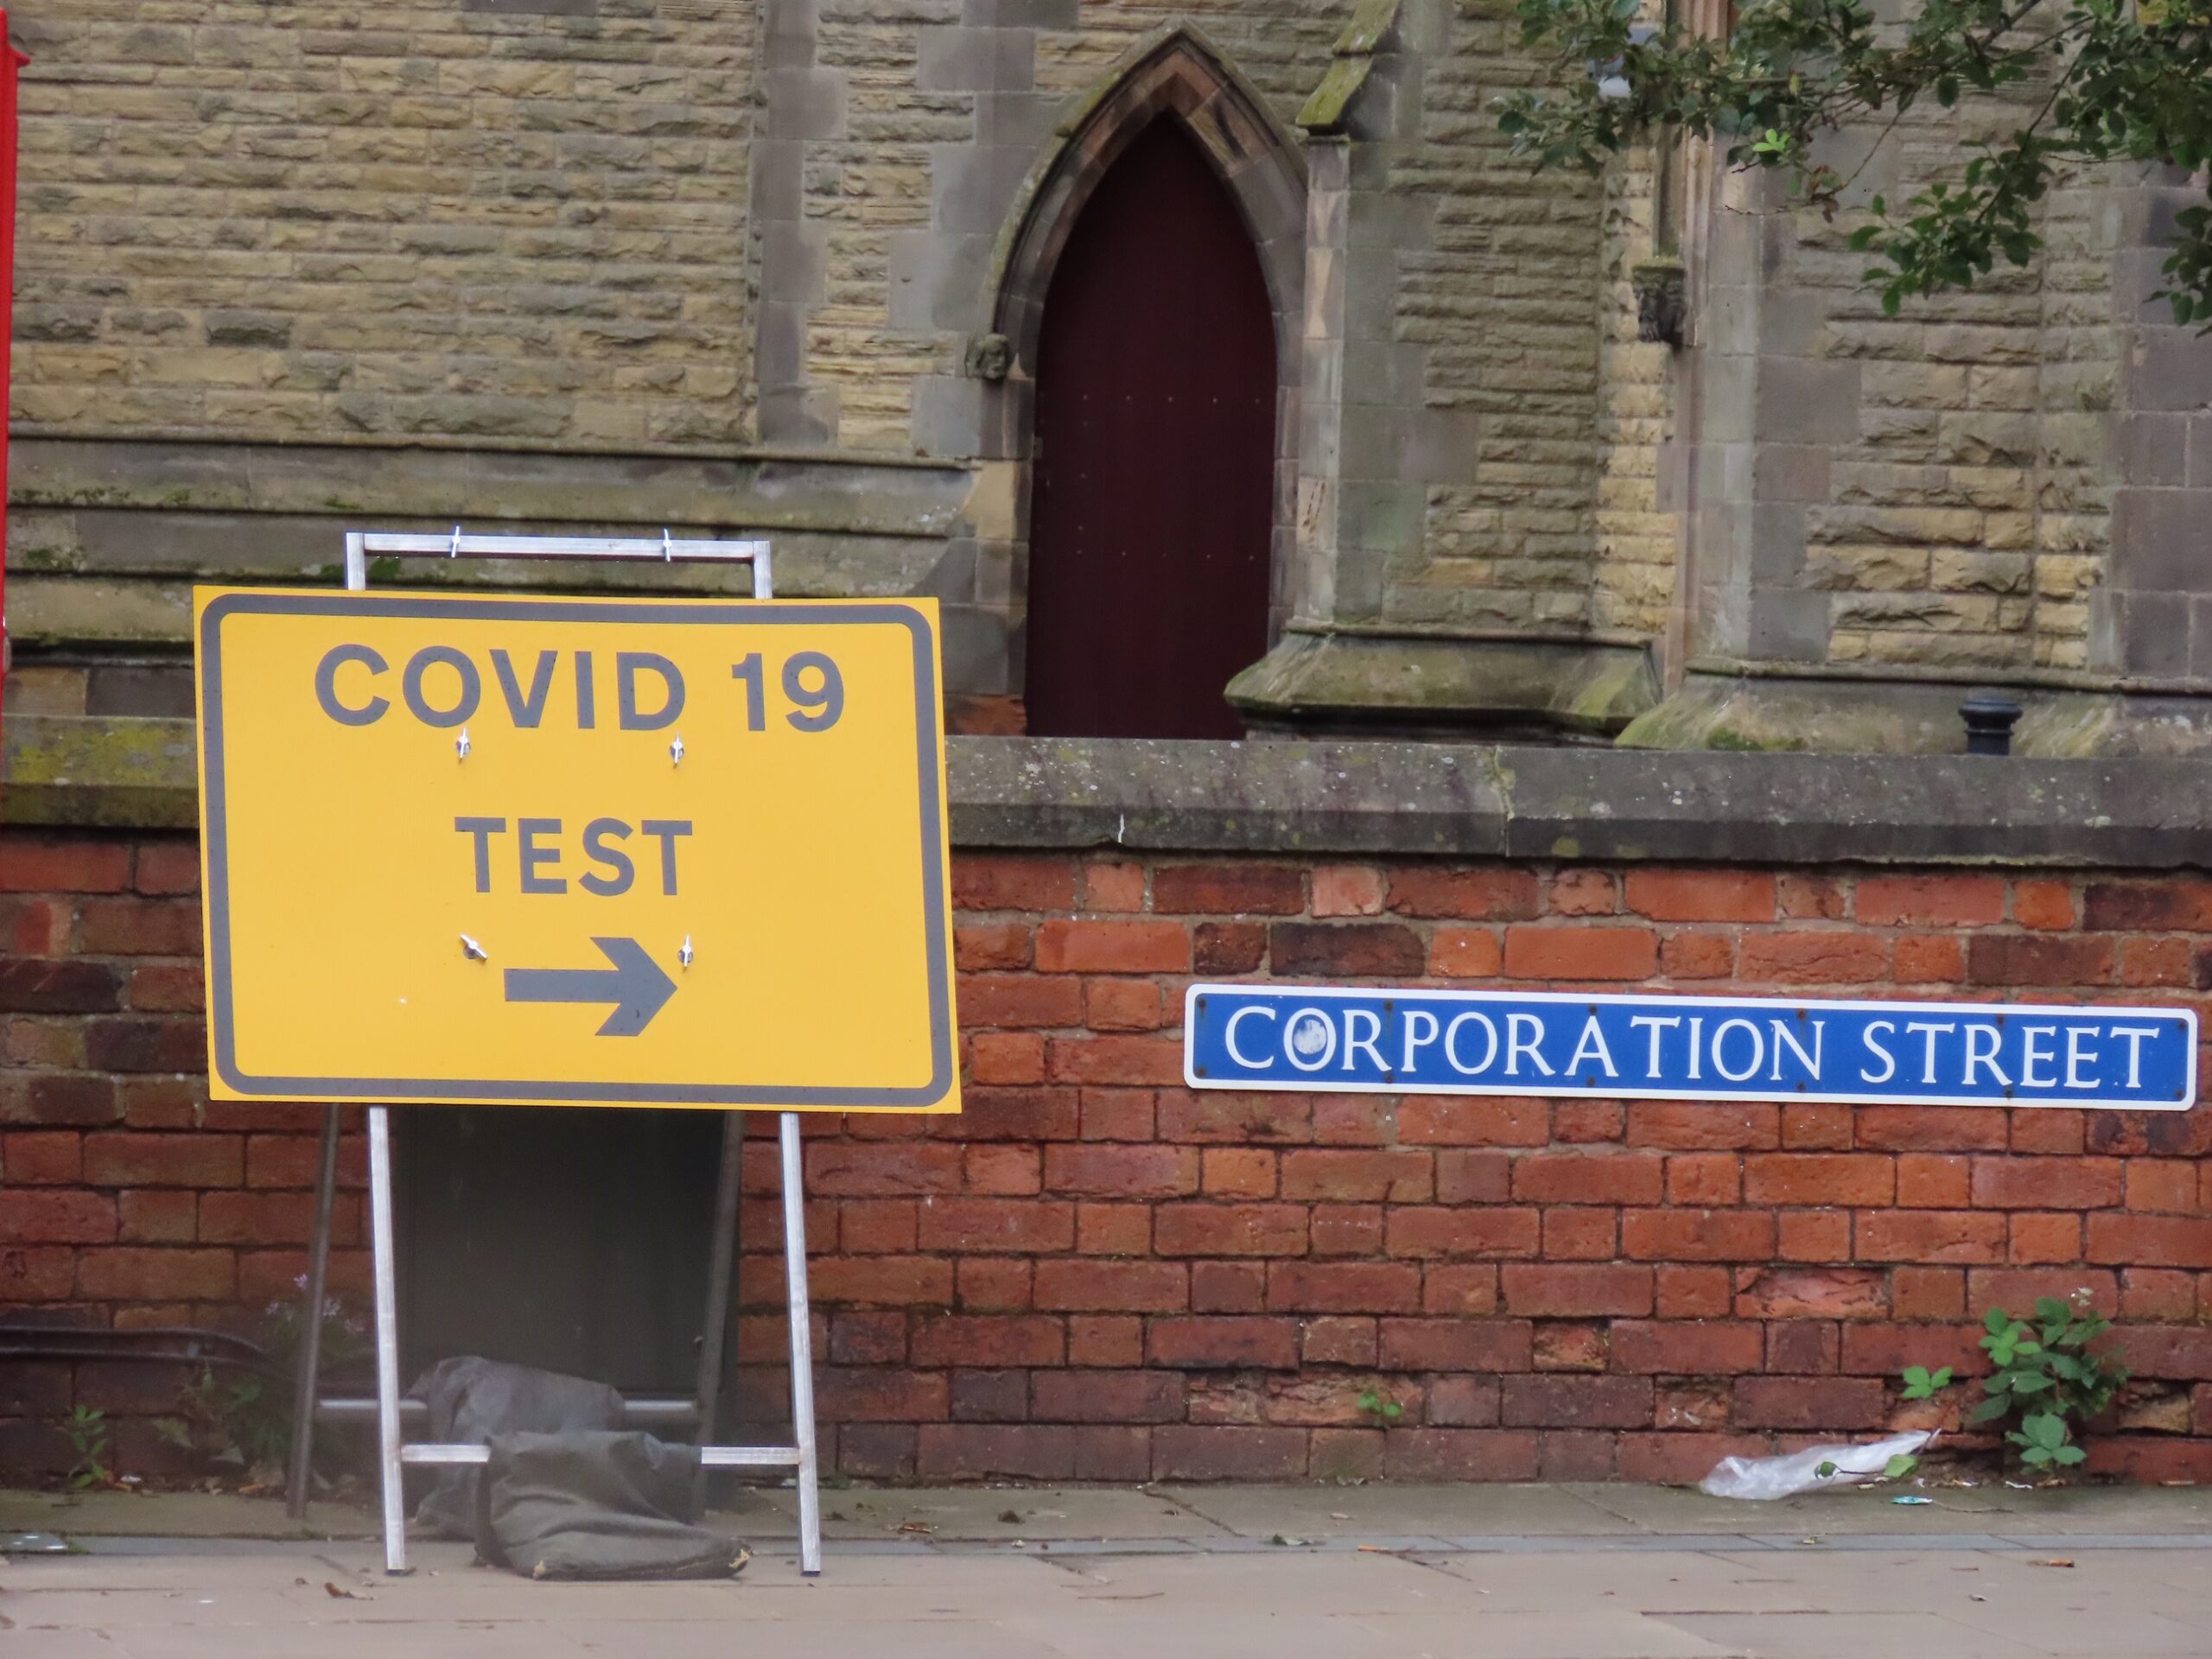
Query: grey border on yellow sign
[[222, 1030]]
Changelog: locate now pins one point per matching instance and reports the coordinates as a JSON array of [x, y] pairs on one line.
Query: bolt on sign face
[[575, 851]]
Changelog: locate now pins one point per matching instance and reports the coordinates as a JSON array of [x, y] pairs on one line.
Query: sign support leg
[[306, 1385], [387, 1315], [722, 1269], [809, 1490]]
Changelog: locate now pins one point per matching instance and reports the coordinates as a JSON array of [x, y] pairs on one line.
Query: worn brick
[[1704, 1180], [1697, 955], [1688, 1348], [1481, 896], [1462, 1121], [1812, 1236], [1697, 1235], [1229, 1230], [1347, 890], [1191, 1451], [1120, 1396], [40, 1157], [1441, 1233], [1808, 1404], [1084, 1169], [1575, 1402], [1691, 1292], [1229, 890], [1013, 882], [978, 946], [2148, 906], [1569, 1345], [2151, 1241], [37, 986], [138, 927], [988, 1339], [836, 1169], [1013, 1225], [1019, 1000], [1581, 1235], [1228, 1287], [1696, 1125], [1468, 1175], [1228, 947], [1465, 953], [1950, 1235], [124, 1158], [1084, 946], [1568, 952], [1343, 1287], [56, 1215], [1114, 1061], [143, 1274], [1812, 1178], [1930, 900], [1574, 1289], [1833, 1293], [2046, 1183], [1812, 957], [63, 864], [1239, 1172], [1199, 1342], [2047, 906], [1588, 1177], [1406, 1176], [1351, 949], [1012, 1451], [1113, 884], [1126, 1005], [1931, 1128], [1702, 895], [2038, 959]]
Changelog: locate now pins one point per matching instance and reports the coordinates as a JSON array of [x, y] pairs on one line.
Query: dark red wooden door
[[1153, 477]]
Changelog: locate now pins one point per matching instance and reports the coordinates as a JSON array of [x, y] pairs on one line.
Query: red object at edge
[[11, 62]]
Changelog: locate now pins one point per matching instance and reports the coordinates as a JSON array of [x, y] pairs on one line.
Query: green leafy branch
[[2118, 81]]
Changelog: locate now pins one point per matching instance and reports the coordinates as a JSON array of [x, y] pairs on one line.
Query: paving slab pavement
[[1504, 1572]]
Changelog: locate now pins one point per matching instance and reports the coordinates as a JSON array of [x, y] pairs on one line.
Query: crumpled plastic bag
[[1786, 1477]]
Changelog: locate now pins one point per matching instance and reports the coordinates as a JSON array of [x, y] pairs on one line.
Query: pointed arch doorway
[[1153, 460]]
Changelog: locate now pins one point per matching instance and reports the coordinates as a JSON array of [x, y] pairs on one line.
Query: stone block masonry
[[1096, 1274], [441, 218]]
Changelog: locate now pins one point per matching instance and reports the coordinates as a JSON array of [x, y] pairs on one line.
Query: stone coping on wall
[[1460, 800]]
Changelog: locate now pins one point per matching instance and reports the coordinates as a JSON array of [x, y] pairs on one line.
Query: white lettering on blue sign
[[1436, 1042]]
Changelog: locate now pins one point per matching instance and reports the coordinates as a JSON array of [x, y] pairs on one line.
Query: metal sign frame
[[395, 1452]]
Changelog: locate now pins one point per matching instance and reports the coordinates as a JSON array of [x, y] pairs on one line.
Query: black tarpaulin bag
[[471, 1399], [597, 1504]]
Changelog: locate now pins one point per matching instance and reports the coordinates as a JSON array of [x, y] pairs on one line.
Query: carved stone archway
[[1176, 74]]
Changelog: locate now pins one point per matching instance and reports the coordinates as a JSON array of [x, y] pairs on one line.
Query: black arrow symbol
[[634, 984]]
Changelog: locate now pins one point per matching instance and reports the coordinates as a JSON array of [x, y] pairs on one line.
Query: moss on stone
[[1427, 680], [1327, 108], [106, 772]]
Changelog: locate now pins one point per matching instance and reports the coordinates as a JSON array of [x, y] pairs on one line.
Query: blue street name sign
[[1687, 1048]]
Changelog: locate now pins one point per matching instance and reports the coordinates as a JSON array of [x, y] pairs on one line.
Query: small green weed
[[1384, 1410], [2042, 1376], [86, 1429]]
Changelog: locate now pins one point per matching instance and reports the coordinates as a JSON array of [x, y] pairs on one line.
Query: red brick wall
[[1095, 1273]]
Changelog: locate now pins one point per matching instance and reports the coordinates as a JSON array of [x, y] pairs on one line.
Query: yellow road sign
[[575, 851]]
